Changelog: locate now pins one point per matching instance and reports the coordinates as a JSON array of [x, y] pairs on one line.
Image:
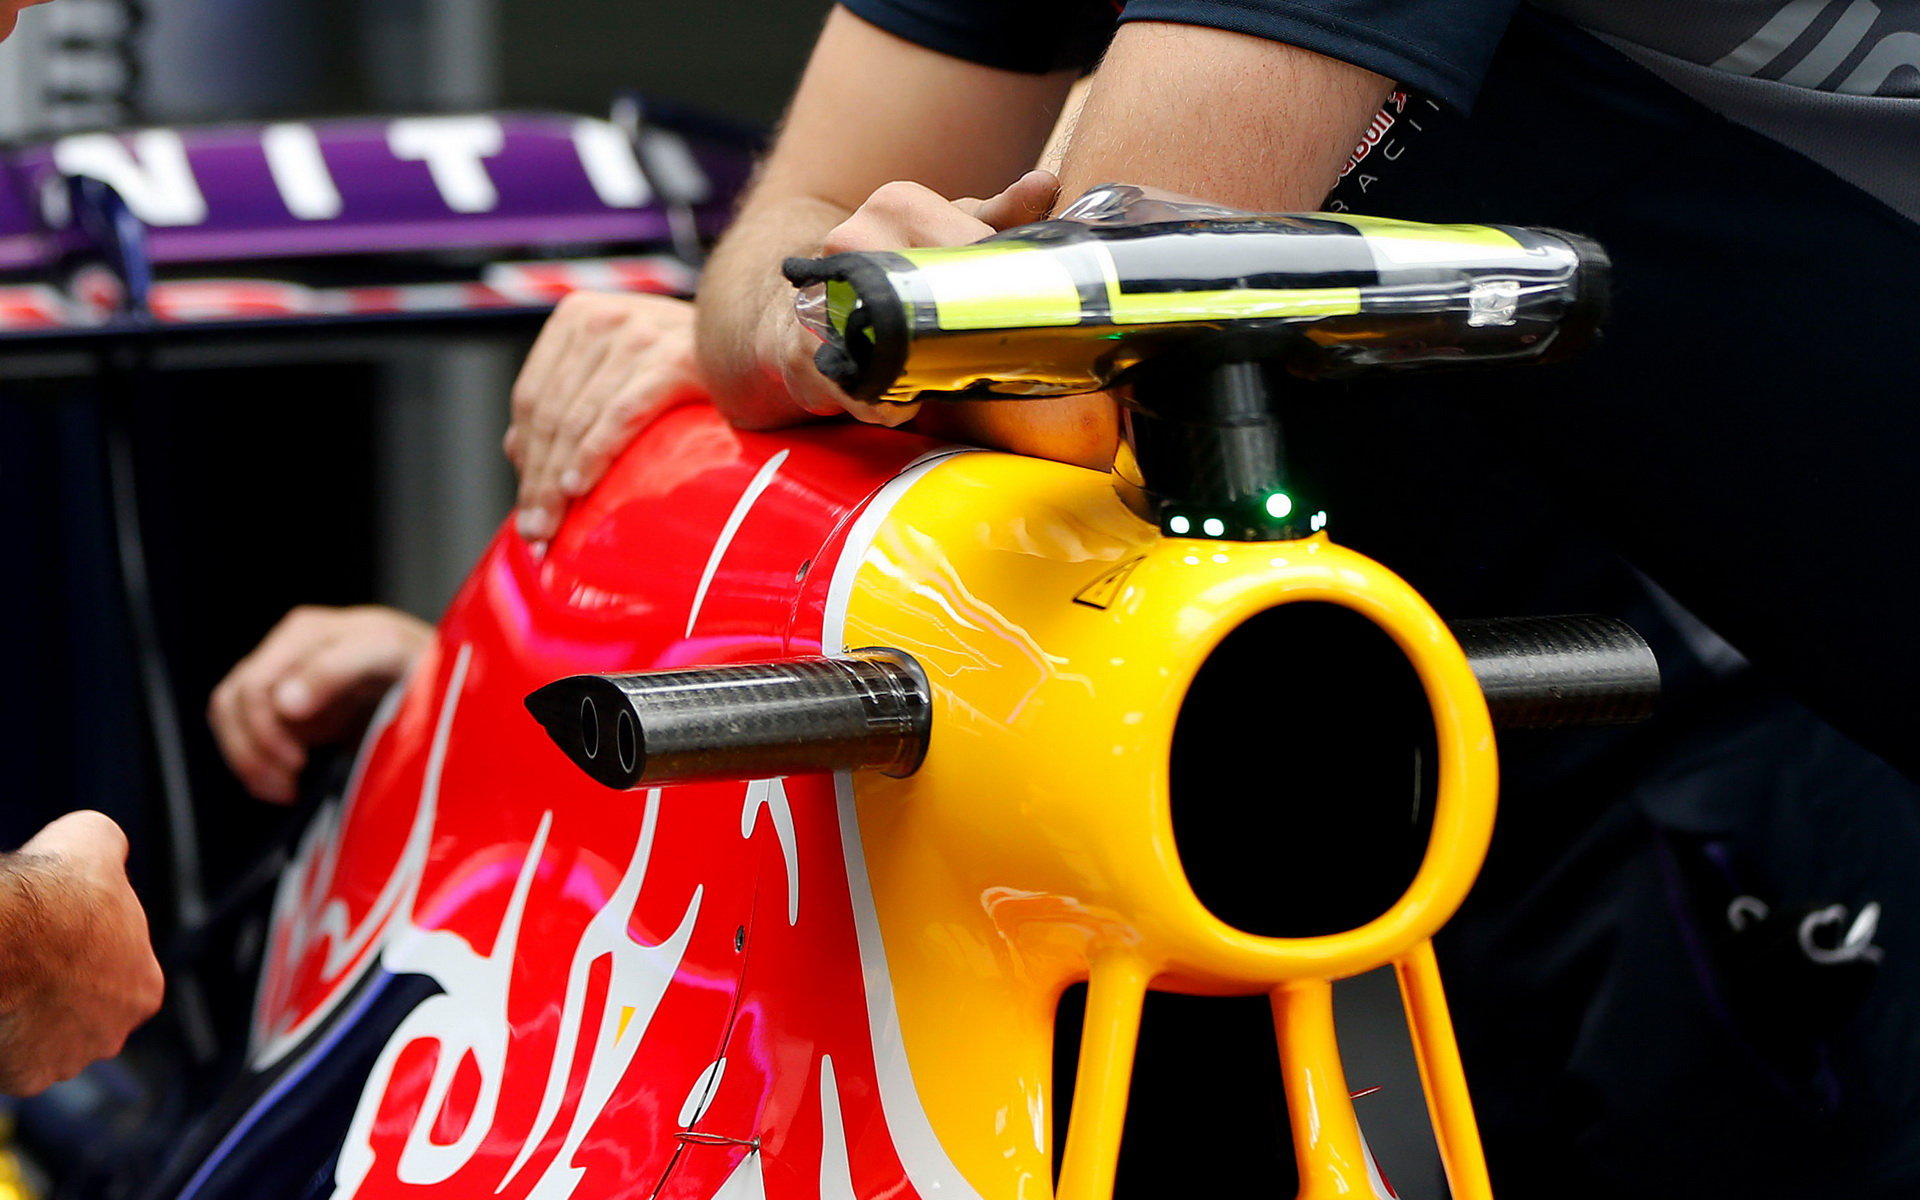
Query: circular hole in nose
[[1302, 773], [589, 728], [626, 738]]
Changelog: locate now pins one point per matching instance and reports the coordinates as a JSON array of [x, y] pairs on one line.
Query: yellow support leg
[[1116, 988], [1442, 1075], [1326, 1134]]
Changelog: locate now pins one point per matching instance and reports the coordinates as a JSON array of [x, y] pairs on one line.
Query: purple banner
[[498, 182]]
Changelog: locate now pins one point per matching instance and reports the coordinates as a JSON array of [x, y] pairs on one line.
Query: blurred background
[[367, 472], [331, 470], [203, 60], [89, 64], [266, 473]]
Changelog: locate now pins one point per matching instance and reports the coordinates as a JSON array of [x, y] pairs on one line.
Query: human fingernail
[[572, 483], [535, 524], [537, 549], [293, 697]]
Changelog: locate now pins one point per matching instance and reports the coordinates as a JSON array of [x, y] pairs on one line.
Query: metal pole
[[212, 60], [75, 65], [444, 484], [431, 54]]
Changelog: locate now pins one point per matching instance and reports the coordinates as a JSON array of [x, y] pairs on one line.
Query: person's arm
[[605, 365], [871, 109], [77, 972], [1223, 117], [1220, 116]]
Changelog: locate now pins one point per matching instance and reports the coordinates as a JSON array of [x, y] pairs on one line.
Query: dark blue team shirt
[[1439, 50]]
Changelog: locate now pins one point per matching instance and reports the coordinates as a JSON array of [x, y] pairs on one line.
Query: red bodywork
[[600, 951]]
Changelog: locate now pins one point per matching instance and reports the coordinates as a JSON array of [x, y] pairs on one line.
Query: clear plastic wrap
[[1125, 274]]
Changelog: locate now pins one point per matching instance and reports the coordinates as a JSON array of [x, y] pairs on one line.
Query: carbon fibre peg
[[870, 709]]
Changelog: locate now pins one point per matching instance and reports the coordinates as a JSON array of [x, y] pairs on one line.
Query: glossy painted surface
[[817, 986], [599, 952], [1035, 848]]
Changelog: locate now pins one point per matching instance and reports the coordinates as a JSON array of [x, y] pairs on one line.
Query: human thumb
[[81, 835], [1027, 199]]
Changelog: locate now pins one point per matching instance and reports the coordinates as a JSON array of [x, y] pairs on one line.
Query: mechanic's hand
[[898, 216], [79, 972], [901, 215], [602, 368], [312, 680], [1075, 429]]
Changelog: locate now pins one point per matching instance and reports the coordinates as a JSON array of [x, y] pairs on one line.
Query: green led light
[[1214, 526], [1279, 506], [1318, 522], [1178, 523]]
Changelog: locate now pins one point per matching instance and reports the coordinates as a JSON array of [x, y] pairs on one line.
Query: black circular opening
[[626, 740], [1302, 773], [589, 728]]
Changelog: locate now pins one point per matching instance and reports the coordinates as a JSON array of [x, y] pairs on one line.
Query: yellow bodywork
[[1034, 848]]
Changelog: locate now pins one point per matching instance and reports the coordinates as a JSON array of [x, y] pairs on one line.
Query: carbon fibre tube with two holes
[[869, 709]]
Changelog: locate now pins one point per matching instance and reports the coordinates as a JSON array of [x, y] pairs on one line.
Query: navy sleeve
[[1439, 48], [1029, 36]]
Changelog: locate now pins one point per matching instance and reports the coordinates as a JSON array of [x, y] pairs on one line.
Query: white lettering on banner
[[151, 174], [151, 169], [680, 174], [607, 157], [56, 207], [455, 150], [300, 171]]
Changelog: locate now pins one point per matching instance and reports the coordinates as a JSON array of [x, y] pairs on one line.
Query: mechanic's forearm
[[745, 304], [1220, 116], [871, 108]]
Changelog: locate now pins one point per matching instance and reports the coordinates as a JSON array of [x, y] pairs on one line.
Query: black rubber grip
[[871, 709], [1555, 672]]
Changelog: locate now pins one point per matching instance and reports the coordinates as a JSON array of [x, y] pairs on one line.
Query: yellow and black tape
[[1063, 306]]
